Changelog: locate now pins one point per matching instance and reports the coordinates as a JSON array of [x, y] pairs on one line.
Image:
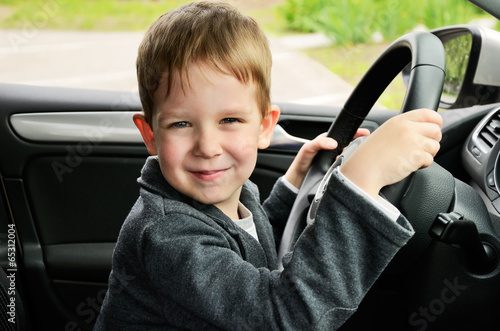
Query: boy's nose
[[207, 145]]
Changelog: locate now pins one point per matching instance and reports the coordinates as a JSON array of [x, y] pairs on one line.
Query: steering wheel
[[426, 53]]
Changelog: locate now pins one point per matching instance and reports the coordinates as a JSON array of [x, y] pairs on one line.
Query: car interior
[[70, 159]]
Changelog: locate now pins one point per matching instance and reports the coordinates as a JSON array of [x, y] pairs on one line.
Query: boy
[[197, 242]]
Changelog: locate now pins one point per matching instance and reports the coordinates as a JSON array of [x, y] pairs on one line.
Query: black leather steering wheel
[[426, 54]]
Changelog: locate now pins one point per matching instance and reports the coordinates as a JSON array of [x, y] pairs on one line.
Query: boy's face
[[207, 138]]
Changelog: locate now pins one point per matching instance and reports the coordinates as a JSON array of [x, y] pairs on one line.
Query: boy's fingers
[[311, 148], [435, 132], [426, 115], [429, 156], [429, 130], [322, 142], [362, 133], [431, 146], [329, 143]]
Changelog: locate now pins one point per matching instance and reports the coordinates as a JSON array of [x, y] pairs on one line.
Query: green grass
[[110, 15], [356, 21], [351, 62], [100, 15]]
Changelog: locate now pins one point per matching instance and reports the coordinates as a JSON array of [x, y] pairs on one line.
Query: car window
[[319, 56]]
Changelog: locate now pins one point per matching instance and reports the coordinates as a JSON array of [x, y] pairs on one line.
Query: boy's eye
[[180, 125], [229, 120]]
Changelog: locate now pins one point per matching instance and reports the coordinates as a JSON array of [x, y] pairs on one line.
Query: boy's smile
[[207, 135]]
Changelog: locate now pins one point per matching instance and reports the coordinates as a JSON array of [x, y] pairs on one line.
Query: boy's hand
[[400, 146], [298, 169]]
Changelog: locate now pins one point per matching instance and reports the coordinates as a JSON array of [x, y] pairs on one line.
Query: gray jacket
[[179, 264]]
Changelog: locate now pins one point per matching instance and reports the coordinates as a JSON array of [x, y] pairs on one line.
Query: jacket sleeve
[[333, 265], [352, 240], [278, 206]]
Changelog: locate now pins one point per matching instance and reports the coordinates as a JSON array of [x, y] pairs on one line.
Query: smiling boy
[[198, 242]]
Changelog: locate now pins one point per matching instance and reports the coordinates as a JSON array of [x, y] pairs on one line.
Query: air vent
[[490, 133]]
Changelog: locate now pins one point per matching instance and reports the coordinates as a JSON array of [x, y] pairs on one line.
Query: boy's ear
[[146, 132], [267, 126]]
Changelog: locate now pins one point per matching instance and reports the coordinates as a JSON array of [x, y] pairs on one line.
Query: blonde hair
[[213, 33]]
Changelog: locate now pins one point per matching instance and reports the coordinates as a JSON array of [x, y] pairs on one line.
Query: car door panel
[[84, 205]]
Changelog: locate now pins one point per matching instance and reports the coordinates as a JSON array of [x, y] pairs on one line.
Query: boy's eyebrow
[[171, 113], [238, 110]]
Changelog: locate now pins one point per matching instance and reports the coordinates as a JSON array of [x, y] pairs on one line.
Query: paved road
[[106, 60]]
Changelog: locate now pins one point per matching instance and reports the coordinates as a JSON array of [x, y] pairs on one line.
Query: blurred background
[[344, 36]]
